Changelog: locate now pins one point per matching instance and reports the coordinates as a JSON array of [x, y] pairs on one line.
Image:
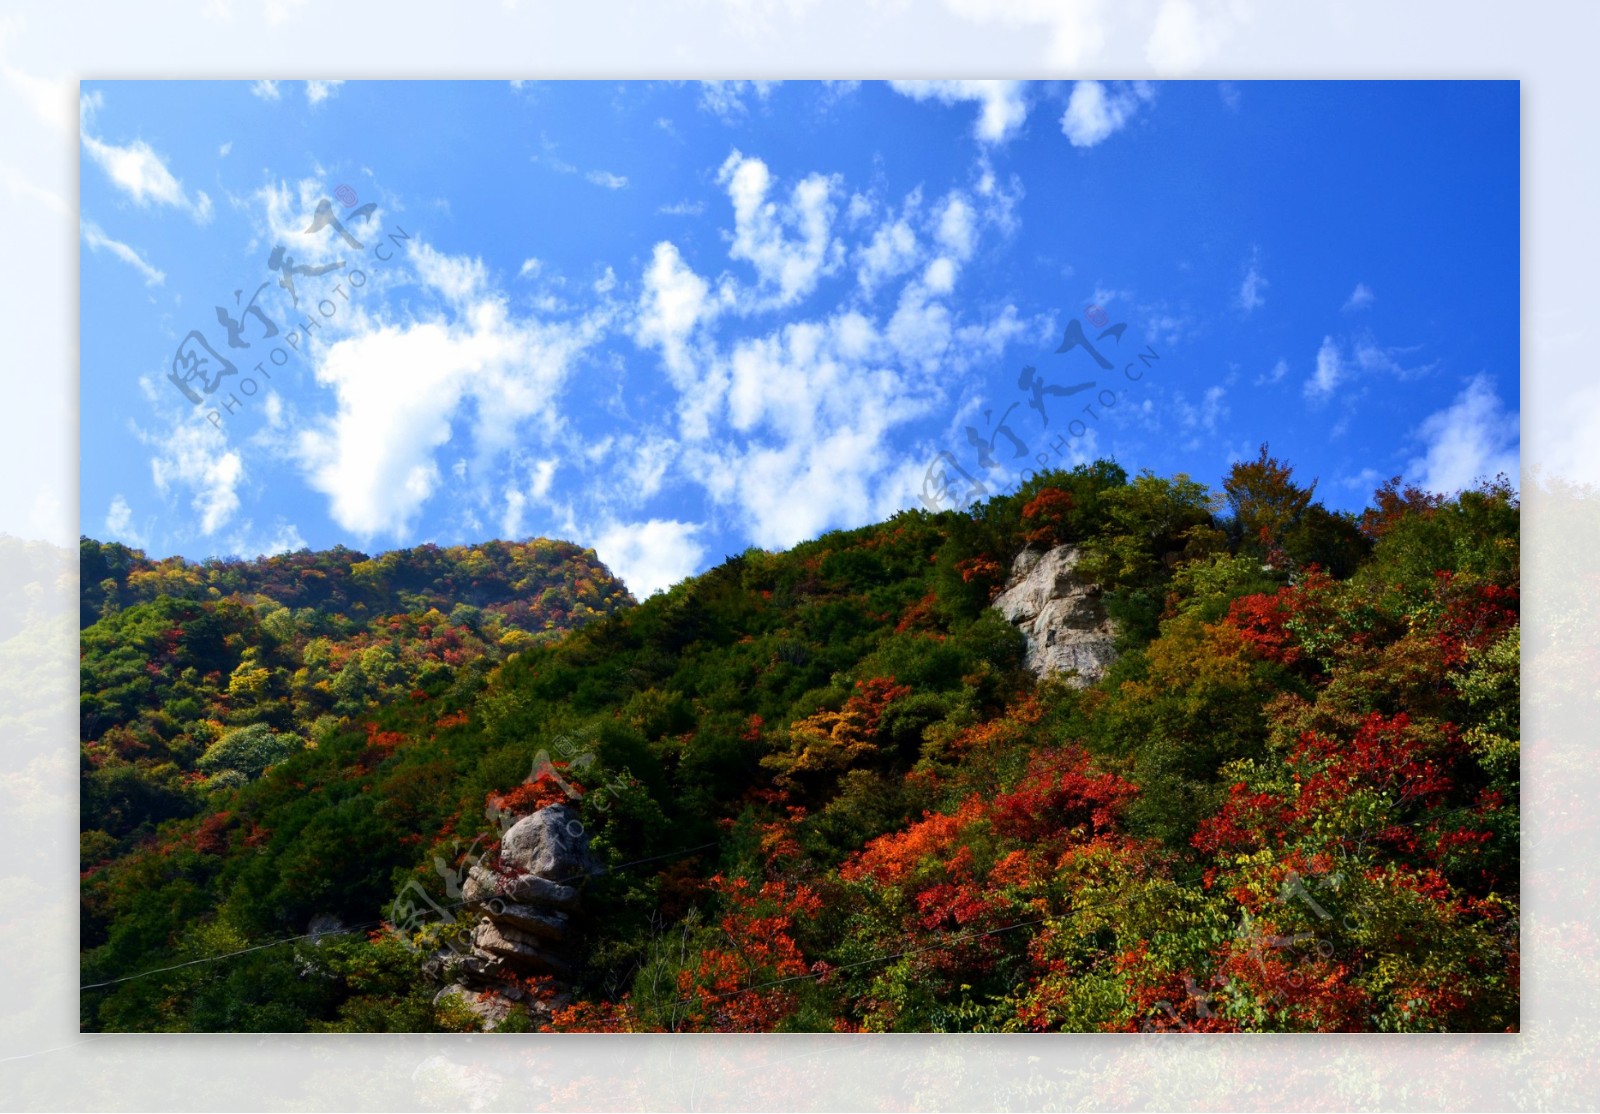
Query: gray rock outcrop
[[524, 899], [1060, 615]]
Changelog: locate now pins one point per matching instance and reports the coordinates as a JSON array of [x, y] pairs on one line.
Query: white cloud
[[140, 173], [727, 99], [891, 252], [812, 405], [1251, 297], [791, 265], [319, 91], [194, 457], [1365, 481], [1211, 409], [245, 543], [119, 523], [97, 240], [683, 209], [544, 472], [790, 427], [1372, 357], [606, 179], [1003, 104], [1096, 110], [398, 387], [459, 278], [1360, 298], [517, 500], [650, 556], [1279, 370], [674, 301], [1474, 438], [956, 230], [267, 90], [1330, 371], [1341, 361], [529, 267], [222, 151], [606, 283]]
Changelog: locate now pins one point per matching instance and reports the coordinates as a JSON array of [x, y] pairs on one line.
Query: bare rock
[[547, 924], [1060, 615], [484, 884], [521, 950], [530, 889], [551, 844]]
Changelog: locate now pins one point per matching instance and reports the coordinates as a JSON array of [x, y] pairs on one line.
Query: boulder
[[526, 909], [1060, 616], [551, 844]]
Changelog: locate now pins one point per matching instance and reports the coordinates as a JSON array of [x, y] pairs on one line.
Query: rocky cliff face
[[1061, 616], [525, 901]]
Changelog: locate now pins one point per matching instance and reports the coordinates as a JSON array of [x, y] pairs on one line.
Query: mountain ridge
[[828, 794]]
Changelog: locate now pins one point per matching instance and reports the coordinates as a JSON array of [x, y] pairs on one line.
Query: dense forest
[[826, 791]]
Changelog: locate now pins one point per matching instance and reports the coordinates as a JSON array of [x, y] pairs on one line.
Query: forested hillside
[[197, 677], [828, 793]]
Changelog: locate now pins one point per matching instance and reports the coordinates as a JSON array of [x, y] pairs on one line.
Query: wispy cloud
[[319, 91], [1252, 294], [1360, 298], [1474, 438], [813, 402], [267, 90], [1274, 375], [98, 241], [195, 459], [119, 523], [1329, 373], [729, 100], [683, 209], [1339, 362], [607, 179], [139, 171]]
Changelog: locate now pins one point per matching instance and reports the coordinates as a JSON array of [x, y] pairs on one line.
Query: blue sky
[[673, 320]]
